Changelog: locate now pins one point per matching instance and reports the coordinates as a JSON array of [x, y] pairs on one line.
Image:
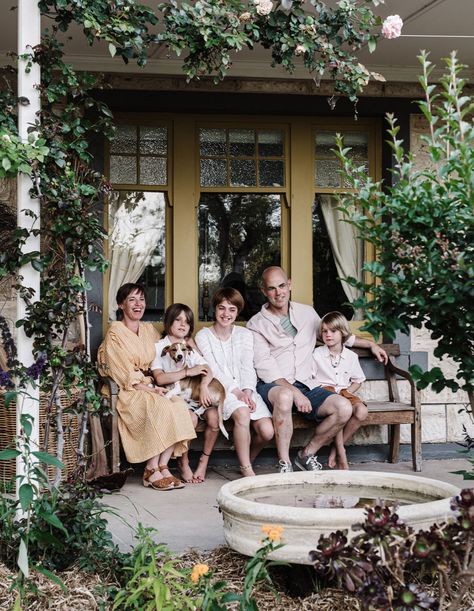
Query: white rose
[[264, 7], [300, 50]]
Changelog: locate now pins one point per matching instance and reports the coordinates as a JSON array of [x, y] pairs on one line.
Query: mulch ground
[[86, 592]]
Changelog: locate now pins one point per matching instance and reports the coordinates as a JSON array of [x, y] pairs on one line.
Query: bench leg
[[416, 444], [394, 442], [115, 444]]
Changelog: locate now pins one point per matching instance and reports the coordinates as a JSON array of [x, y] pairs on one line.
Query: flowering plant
[[392, 27]]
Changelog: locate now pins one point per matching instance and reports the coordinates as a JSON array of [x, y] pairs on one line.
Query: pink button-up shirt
[[277, 354]]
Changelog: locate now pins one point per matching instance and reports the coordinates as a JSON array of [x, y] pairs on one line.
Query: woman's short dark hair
[[127, 289], [171, 314], [228, 294]]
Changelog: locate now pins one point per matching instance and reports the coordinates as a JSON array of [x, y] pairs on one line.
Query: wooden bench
[[392, 413]]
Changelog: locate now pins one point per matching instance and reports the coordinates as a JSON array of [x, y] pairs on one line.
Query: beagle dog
[[179, 355]]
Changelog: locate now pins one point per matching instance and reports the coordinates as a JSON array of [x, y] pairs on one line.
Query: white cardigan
[[243, 373]]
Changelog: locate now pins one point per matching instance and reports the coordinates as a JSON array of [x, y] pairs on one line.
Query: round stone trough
[[309, 504]]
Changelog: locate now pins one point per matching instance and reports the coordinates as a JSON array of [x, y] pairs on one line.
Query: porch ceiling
[[425, 21]]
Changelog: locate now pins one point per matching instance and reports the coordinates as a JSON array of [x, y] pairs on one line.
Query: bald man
[[285, 334]]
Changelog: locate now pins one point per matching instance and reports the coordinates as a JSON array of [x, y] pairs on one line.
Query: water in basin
[[334, 496]]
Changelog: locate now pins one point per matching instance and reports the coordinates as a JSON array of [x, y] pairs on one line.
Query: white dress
[[231, 362]]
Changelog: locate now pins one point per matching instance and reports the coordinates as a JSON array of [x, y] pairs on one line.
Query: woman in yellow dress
[[152, 428]]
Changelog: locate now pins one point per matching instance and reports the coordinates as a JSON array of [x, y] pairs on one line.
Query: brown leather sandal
[[177, 483], [160, 484]]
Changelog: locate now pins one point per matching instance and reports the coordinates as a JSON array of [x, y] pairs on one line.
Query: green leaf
[[23, 559], [10, 396], [53, 520], [50, 576], [372, 44], [8, 454], [48, 459], [6, 164], [112, 49], [25, 495]]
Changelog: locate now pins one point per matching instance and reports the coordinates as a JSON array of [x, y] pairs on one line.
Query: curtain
[[345, 244], [137, 228]]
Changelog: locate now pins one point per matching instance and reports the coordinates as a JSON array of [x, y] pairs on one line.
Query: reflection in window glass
[[123, 169], [337, 253], [153, 140], [213, 172], [137, 247], [271, 173], [125, 140], [270, 143], [239, 236], [242, 173], [152, 171]]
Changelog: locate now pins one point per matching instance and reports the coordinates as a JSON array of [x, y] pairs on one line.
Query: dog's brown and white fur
[[188, 388]]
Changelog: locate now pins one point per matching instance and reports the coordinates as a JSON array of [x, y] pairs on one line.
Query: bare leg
[[263, 429], [360, 412], [163, 460], [211, 433], [336, 412], [281, 399], [153, 463], [183, 461], [241, 435]]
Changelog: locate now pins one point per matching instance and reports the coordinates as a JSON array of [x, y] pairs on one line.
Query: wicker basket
[[8, 432]]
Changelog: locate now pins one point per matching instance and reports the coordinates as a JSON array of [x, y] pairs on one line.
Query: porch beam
[[29, 35]]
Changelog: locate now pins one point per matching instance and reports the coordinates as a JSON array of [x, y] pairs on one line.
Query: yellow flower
[[272, 532], [198, 571]]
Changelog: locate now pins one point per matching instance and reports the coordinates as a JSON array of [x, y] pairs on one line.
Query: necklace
[[335, 359]]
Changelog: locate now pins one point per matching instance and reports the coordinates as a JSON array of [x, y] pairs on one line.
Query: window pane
[[242, 142], [137, 247], [271, 174], [153, 140], [213, 173], [153, 171], [243, 173], [270, 143], [123, 170], [125, 140], [212, 142], [325, 141], [359, 143], [239, 236], [332, 235], [328, 173]]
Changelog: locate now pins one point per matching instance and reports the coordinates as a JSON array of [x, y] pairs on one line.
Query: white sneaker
[[308, 463], [285, 467]]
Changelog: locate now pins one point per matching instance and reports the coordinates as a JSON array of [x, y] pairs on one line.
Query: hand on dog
[[197, 370], [205, 398]]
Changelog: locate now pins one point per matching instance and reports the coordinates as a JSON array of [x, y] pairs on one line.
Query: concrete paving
[[189, 518]]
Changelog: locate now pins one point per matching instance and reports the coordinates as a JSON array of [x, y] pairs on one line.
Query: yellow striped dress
[[148, 423]]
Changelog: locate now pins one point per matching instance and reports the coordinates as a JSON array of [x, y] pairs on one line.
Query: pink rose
[[392, 27]]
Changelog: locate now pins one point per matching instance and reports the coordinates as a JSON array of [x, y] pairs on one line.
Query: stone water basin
[[309, 504]]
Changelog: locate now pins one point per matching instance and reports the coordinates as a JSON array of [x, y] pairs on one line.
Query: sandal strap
[[163, 467], [245, 467], [147, 473]]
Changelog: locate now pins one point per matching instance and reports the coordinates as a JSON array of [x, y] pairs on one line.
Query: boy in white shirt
[[337, 368]]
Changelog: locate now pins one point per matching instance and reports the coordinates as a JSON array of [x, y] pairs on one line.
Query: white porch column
[[29, 35]]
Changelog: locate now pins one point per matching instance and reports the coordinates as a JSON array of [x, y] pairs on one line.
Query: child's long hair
[[336, 322], [172, 313]]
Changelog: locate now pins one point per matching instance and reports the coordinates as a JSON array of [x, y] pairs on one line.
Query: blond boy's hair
[[336, 322]]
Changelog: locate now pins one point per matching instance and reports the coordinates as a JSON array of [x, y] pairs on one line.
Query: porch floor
[[189, 518]]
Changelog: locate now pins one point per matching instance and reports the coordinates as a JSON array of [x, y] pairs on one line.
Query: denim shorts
[[317, 396]]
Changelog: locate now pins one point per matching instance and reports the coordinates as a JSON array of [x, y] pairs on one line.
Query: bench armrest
[[111, 385], [391, 371]]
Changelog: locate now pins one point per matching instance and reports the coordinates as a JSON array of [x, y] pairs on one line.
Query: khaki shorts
[[347, 395]]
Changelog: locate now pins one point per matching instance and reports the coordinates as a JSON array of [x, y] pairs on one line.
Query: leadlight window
[[242, 158], [139, 155], [327, 167]]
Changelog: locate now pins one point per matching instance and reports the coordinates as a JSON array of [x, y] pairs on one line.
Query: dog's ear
[[190, 348], [165, 350]]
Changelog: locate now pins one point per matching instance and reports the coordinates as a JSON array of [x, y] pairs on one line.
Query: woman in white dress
[[228, 350]]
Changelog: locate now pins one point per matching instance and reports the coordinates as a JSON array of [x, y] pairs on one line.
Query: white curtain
[[136, 228], [345, 244]]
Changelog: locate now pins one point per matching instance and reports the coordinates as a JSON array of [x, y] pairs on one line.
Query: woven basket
[[8, 432]]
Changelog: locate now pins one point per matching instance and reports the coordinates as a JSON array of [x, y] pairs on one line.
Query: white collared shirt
[[346, 371]]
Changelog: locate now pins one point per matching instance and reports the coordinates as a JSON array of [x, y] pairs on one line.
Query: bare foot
[[247, 471], [342, 461], [200, 474], [332, 460], [185, 472]]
